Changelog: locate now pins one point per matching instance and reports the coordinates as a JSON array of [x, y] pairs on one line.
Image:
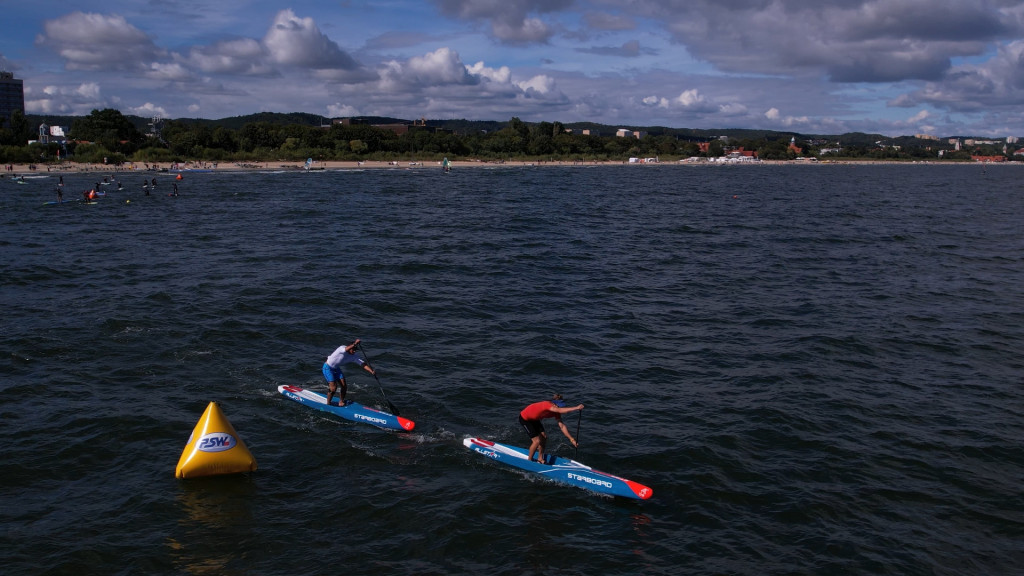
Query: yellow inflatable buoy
[[214, 448]]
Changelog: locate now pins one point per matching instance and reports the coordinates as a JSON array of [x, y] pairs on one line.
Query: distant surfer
[[174, 189], [145, 186], [60, 195], [332, 370], [531, 416]]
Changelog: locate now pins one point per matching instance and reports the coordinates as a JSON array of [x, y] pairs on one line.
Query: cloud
[[397, 39], [339, 110], [849, 41], [509, 19], [71, 100], [440, 67], [835, 63], [919, 117], [500, 75], [7, 65], [606, 21], [168, 72], [148, 110], [778, 119], [294, 41], [541, 84], [995, 85], [95, 42], [630, 49], [242, 56], [690, 98]]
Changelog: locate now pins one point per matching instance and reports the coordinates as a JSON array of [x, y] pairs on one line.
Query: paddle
[[579, 419], [392, 407]]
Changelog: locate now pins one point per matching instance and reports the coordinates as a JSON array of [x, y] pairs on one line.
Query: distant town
[[110, 137]]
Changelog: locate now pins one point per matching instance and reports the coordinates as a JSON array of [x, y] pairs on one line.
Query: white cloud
[[442, 66], [339, 110], [171, 72], [690, 98], [502, 75], [244, 56], [541, 84], [294, 41], [510, 20], [954, 64], [71, 100], [98, 42], [528, 30], [148, 110], [920, 116]]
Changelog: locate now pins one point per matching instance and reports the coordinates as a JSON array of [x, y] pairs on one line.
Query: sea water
[[817, 369]]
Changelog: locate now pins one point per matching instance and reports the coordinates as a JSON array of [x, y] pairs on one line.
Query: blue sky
[[896, 67]]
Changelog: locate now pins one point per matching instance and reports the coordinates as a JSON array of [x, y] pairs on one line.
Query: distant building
[[52, 134], [627, 133], [12, 97], [794, 147], [397, 128]]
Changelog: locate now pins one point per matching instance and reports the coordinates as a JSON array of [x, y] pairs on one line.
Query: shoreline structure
[[147, 168]]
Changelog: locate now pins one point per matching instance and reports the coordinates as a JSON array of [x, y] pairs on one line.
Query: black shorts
[[533, 428]]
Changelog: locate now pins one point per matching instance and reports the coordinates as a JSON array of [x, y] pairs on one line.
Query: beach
[[13, 170], [76, 167]]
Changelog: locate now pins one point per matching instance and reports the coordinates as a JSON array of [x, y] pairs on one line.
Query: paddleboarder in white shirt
[[332, 370]]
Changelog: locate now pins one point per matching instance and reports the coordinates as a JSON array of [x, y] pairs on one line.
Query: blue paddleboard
[[560, 469], [353, 411]]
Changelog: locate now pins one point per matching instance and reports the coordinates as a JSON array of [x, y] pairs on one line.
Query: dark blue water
[[817, 369]]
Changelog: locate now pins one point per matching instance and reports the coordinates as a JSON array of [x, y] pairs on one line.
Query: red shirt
[[538, 410]]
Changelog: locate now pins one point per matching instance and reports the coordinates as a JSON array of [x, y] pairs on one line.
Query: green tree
[[109, 125]]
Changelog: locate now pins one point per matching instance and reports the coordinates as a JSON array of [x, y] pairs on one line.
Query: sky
[[894, 67]]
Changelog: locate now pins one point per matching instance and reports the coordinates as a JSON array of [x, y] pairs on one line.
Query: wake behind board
[[560, 469], [353, 411]]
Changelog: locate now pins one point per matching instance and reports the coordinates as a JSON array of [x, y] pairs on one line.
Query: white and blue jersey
[[332, 367]]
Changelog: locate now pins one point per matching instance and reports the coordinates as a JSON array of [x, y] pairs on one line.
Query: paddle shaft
[[392, 407], [579, 420]]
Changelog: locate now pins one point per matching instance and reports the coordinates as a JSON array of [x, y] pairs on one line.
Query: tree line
[[108, 136]]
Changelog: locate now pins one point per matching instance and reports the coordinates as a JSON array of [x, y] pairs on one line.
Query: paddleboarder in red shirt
[[531, 417]]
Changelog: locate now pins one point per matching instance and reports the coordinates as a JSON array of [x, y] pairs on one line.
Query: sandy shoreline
[[75, 167], [9, 170]]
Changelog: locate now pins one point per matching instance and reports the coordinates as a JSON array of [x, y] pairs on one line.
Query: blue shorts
[[332, 374]]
